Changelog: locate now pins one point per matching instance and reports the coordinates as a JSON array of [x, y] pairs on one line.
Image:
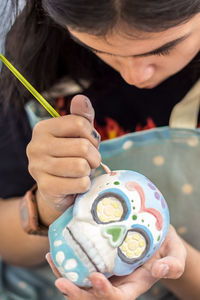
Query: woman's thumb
[[81, 106]]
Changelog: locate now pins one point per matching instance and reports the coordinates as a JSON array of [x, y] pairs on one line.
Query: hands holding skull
[[167, 262], [61, 155]]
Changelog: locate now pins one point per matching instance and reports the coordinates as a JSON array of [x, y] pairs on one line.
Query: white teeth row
[[89, 249], [78, 251]]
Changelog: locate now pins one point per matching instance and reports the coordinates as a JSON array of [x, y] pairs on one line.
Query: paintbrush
[[29, 87]]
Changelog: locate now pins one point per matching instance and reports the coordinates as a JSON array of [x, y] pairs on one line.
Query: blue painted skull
[[113, 228]]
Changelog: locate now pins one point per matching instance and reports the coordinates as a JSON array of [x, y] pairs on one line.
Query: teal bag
[[169, 157]]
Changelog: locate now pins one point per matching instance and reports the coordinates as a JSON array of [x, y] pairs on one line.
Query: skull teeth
[[84, 249]]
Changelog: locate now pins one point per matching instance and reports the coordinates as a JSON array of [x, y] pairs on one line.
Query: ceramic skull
[[113, 228]]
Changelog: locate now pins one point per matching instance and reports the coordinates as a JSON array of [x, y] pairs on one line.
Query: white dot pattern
[[187, 189], [193, 141], [60, 256], [70, 264], [127, 145], [73, 276], [58, 243], [158, 160]]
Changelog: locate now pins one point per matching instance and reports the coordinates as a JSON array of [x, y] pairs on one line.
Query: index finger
[[69, 126]]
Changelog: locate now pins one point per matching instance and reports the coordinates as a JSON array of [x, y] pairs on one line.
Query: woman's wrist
[[47, 214], [29, 214]]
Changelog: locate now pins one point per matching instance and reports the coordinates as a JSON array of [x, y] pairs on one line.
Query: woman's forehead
[[127, 35], [118, 44]]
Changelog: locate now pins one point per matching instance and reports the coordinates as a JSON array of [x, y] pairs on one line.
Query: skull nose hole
[[115, 234]]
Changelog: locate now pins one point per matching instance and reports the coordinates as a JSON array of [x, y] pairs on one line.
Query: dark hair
[[44, 51], [100, 17]]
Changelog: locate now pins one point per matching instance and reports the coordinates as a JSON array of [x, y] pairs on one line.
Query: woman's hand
[[61, 154], [167, 262]]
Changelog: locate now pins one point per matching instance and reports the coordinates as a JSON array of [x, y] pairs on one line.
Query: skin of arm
[[188, 285], [16, 246]]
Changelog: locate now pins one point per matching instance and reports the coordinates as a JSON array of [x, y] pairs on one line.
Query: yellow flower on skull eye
[[138, 252], [115, 204], [118, 213], [105, 201], [123, 247], [136, 236], [141, 243], [134, 245], [109, 209]]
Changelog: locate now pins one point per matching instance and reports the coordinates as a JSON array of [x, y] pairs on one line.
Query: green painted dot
[[134, 217], [142, 220], [132, 200], [116, 182], [148, 225], [107, 183], [133, 207], [158, 239]]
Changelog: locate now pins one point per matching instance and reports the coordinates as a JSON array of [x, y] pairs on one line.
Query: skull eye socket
[[109, 207], [135, 246]]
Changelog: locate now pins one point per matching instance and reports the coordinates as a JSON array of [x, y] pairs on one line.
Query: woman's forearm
[[188, 285], [16, 246]]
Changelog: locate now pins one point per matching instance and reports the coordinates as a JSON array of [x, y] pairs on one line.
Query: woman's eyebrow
[[162, 48]]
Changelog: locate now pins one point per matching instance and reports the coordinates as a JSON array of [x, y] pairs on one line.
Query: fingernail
[[87, 103], [92, 173], [97, 136], [164, 270], [47, 256]]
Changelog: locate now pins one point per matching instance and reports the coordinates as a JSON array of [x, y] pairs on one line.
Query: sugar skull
[[113, 228]]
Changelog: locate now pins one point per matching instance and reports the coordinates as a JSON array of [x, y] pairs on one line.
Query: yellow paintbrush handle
[[29, 87]]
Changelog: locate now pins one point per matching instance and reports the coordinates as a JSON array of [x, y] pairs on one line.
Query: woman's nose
[[137, 73]]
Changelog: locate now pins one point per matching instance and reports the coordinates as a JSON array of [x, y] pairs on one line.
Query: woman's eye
[[162, 53], [158, 53]]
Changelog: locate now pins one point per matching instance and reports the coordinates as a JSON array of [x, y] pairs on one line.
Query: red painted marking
[[133, 186], [113, 173]]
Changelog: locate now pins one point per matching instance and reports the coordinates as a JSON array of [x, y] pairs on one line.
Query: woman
[[148, 44]]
